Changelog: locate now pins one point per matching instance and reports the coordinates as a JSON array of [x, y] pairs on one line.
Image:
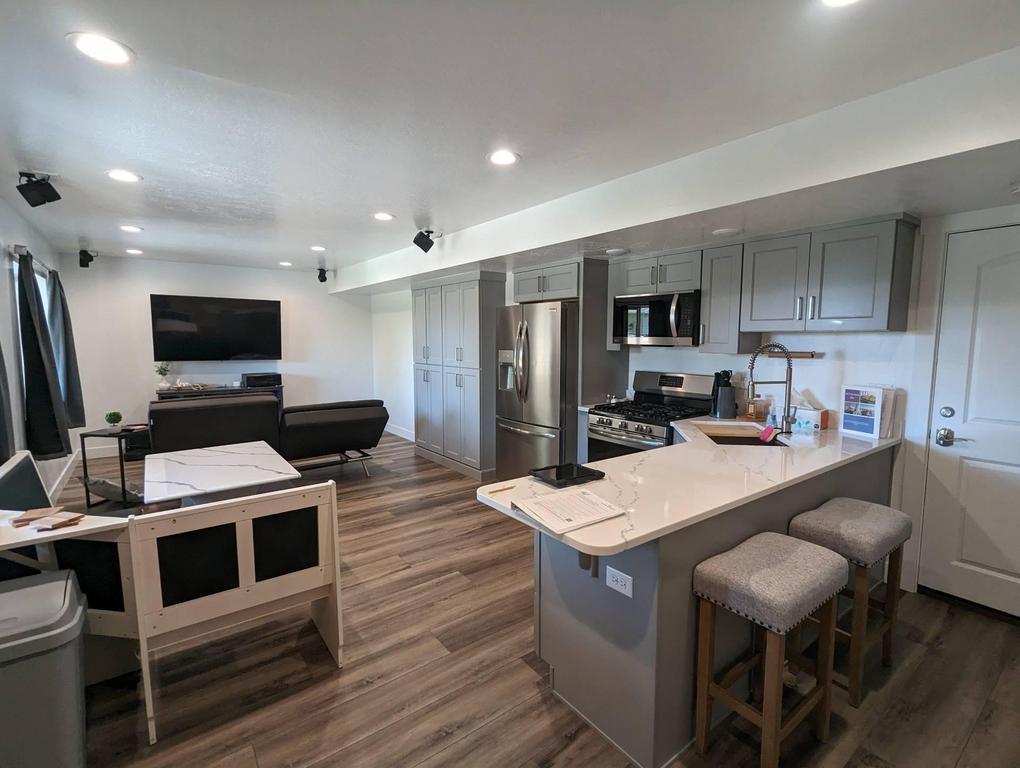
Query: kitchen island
[[626, 664]]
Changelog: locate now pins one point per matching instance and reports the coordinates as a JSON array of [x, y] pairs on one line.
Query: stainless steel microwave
[[658, 320]]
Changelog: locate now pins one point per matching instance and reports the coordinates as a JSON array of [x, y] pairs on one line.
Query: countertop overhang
[[667, 489]]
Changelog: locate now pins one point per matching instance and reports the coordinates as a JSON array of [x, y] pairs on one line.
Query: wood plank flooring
[[439, 668]]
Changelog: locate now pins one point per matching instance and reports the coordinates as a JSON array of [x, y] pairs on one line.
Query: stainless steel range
[[629, 426]]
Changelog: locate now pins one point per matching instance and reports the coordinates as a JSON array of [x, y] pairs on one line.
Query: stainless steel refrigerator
[[536, 397]]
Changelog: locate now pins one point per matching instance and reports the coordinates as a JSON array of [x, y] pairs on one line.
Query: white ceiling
[[262, 127]]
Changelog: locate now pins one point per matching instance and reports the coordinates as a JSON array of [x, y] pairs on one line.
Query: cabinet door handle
[[811, 308], [800, 307], [662, 273], [424, 352], [701, 334], [653, 281]]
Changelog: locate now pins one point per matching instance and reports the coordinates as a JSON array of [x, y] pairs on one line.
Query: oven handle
[[611, 437], [672, 315]]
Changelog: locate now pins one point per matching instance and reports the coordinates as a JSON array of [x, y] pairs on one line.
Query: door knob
[[946, 437]]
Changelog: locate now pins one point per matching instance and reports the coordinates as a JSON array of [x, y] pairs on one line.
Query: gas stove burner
[[649, 413]]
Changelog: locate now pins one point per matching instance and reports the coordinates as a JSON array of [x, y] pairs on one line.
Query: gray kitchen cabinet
[[774, 284], [638, 276], [460, 325], [546, 283], [859, 278], [721, 270], [679, 272], [427, 324], [461, 414], [428, 407]]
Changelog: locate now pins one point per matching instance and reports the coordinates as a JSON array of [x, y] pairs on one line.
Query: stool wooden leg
[[772, 707], [794, 643], [758, 672], [706, 669], [858, 634], [892, 602], [823, 668]]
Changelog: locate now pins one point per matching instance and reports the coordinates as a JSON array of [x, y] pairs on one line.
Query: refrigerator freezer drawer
[[521, 447]]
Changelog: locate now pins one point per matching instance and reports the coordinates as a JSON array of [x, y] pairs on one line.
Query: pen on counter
[[500, 490]]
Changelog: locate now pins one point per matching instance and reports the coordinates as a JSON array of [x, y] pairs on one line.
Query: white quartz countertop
[[666, 489], [177, 474]]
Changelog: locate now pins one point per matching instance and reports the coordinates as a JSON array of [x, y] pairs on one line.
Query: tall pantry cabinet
[[454, 334]]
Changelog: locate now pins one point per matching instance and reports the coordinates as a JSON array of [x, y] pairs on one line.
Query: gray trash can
[[42, 679]]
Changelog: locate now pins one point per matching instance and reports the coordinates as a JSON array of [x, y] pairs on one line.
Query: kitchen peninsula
[[626, 663]]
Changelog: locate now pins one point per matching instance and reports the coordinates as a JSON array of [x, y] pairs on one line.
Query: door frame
[[931, 254]]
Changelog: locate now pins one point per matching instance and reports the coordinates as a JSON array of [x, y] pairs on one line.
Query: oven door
[[610, 443], [660, 320]]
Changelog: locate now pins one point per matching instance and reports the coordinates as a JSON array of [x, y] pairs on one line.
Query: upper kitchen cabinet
[[546, 283], [427, 325], [679, 272], [721, 270], [859, 279], [635, 276], [850, 278], [460, 325], [775, 284]]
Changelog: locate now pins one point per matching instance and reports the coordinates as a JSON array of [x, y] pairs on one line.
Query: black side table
[[121, 435]]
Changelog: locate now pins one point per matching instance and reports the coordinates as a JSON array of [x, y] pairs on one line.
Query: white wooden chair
[[213, 566]]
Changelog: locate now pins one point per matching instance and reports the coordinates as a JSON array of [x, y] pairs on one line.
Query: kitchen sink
[[743, 440]]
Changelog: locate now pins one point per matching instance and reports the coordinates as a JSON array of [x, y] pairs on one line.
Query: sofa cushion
[[862, 531], [323, 430]]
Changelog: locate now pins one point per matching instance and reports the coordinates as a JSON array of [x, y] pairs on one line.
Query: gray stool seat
[[772, 579], [861, 531]]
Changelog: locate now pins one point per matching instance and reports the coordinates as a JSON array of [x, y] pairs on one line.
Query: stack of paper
[[47, 519], [568, 510]]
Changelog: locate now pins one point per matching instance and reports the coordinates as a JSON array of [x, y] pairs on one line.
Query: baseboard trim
[[407, 434], [481, 475]]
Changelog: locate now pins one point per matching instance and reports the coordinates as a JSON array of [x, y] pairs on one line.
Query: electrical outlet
[[619, 581]]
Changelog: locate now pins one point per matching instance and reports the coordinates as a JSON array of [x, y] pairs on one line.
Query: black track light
[[36, 189], [424, 239], [85, 258], [322, 275]]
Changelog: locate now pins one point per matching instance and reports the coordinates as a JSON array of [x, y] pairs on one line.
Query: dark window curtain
[[45, 414], [63, 352], [6, 419]]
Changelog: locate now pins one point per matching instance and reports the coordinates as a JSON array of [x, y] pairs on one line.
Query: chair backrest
[[21, 485], [214, 565]]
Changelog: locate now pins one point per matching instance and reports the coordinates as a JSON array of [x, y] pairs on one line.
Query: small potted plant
[[163, 369], [113, 418]]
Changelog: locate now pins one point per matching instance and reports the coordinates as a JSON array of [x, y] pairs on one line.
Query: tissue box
[[811, 419]]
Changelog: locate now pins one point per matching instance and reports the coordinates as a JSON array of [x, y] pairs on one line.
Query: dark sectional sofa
[[298, 432]]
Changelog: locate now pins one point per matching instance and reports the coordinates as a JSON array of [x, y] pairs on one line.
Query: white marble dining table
[[202, 472]]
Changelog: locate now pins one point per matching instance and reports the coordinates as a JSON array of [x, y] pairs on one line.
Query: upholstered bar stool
[[864, 533], [776, 581]]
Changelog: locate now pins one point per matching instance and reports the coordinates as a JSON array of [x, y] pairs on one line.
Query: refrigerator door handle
[[519, 431], [525, 361], [517, 361]]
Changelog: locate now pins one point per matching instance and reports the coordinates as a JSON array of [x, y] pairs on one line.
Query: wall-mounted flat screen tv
[[208, 328]]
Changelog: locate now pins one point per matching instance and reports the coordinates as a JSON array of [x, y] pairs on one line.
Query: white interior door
[[970, 545]]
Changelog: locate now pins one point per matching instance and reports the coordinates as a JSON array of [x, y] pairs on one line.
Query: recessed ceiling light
[[134, 251], [382, 216], [838, 3], [101, 48], [130, 228], [119, 174], [286, 264], [503, 157], [318, 248], [725, 231]]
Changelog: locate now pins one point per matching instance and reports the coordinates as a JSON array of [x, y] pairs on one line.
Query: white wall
[[392, 359], [327, 340]]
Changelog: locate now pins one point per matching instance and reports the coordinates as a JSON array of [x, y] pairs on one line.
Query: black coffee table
[[121, 435]]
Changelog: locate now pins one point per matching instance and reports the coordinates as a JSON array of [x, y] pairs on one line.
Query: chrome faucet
[[773, 346]]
